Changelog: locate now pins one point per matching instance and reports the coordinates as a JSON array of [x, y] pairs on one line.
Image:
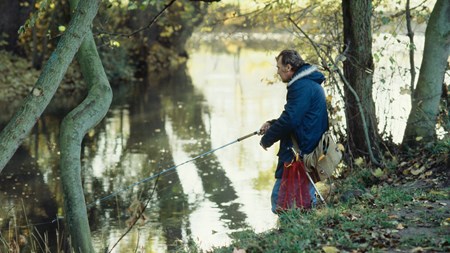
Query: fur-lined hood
[[309, 71]]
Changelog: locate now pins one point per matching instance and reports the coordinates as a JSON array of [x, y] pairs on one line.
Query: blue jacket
[[304, 116]]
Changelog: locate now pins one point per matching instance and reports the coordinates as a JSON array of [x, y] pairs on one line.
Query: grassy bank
[[402, 209]]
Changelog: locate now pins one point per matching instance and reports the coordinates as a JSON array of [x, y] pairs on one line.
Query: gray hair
[[292, 57]]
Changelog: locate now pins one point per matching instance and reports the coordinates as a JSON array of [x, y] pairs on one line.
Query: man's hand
[[263, 131], [264, 128]]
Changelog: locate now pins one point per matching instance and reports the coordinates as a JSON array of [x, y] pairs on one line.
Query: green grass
[[381, 217]]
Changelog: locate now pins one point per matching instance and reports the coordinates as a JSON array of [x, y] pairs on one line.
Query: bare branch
[[146, 26], [401, 13], [411, 47]]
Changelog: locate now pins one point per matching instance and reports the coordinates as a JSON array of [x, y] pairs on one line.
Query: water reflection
[[187, 123], [139, 151], [160, 126], [28, 197]]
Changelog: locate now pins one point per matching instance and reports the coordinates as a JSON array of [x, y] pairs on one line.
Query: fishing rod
[[170, 169]]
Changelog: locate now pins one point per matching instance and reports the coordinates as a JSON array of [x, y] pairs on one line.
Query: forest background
[[134, 40]]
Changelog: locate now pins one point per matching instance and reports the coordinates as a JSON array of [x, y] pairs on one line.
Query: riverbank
[[401, 209]]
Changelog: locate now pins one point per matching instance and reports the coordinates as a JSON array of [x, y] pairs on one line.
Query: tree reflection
[[131, 144], [147, 128], [187, 112]]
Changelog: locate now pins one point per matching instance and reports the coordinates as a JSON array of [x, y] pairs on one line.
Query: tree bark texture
[[358, 70], [73, 129], [425, 103], [34, 104]]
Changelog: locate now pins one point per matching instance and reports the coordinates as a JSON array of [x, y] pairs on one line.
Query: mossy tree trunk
[[421, 125], [358, 70], [35, 103], [73, 129]]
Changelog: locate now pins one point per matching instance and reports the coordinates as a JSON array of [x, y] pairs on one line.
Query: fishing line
[[98, 201], [55, 220], [171, 169]]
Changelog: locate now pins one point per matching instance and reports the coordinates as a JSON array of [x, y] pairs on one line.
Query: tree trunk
[[73, 129], [358, 70], [421, 125], [34, 104]]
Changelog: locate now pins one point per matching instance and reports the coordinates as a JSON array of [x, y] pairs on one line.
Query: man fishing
[[304, 117]]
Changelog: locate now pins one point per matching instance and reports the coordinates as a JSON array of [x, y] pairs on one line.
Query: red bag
[[294, 189]]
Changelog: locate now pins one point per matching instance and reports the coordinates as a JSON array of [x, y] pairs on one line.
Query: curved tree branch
[[52, 74], [73, 128]]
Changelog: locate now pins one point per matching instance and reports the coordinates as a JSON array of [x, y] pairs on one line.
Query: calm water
[[216, 99]]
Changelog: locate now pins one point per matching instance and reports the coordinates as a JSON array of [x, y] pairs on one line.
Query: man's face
[[285, 71]]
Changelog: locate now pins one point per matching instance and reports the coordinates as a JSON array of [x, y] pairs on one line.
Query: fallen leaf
[[445, 222], [440, 193], [418, 249], [378, 172], [236, 250], [400, 226], [374, 234], [416, 172], [330, 249], [359, 161]]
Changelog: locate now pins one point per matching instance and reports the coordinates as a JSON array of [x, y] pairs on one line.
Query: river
[[212, 102]]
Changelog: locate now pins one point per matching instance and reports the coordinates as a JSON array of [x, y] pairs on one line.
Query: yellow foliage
[[330, 249], [359, 161], [418, 171], [378, 172], [168, 31], [114, 43]]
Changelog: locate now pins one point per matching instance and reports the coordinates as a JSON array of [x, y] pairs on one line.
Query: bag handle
[[326, 144]]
